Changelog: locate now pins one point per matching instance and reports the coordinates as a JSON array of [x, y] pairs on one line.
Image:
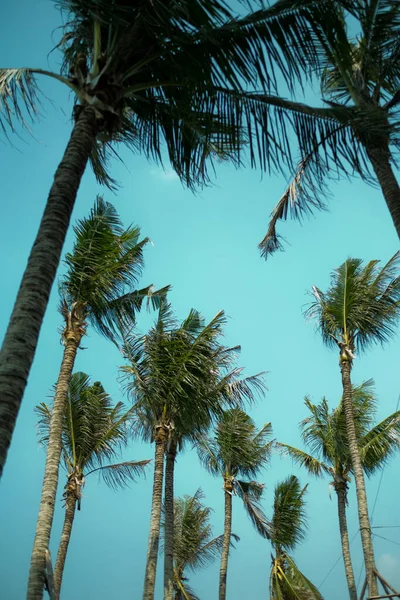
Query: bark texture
[[363, 517], [169, 523], [50, 481], [380, 160], [155, 517], [344, 538], [223, 571], [70, 506], [20, 341]]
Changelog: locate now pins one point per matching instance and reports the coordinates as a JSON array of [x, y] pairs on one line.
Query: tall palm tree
[[237, 449], [94, 432], [361, 307], [194, 544], [176, 376], [287, 530], [359, 69], [105, 263], [324, 433], [194, 77]]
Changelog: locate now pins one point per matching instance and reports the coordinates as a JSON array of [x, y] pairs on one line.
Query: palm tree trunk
[[223, 572], [70, 506], [50, 481], [380, 160], [155, 517], [363, 517], [19, 346], [169, 523], [344, 537]]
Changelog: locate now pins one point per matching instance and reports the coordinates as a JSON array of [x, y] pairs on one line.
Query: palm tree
[[94, 431], [360, 308], [178, 380], [287, 530], [324, 433], [194, 545], [198, 80], [359, 69], [105, 263], [237, 449]]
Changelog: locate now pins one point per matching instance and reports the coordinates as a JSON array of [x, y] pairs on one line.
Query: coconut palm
[[94, 432], [237, 449], [361, 307], [287, 530], [197, 81], [176, 376], [105, 263], [194, 545], [359, 69], [324, 434]]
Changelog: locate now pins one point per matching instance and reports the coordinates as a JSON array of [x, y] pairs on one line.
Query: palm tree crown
[[103, 267], [94, 432], [238, 449], [361, 306], [194, 544], [287, 530], [324, 433]]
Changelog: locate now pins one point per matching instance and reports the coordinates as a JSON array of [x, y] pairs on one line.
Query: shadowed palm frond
[[120, 475], [380, 443]]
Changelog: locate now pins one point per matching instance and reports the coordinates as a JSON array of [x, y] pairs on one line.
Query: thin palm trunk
[[363, 517], [19, 345], [70, 506], [380, 160], [223, 572], [344, 538], [169, 523], [50, 481], [155, 517]]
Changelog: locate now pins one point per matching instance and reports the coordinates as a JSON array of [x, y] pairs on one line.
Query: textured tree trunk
[[344, 538], [363, 517], [223, 571], [155, 517], [20, 341], [50, 481], [70, 505], [169, 523], [380, 160]]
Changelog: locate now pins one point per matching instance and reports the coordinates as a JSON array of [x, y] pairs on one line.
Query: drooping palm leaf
[[288, 523]]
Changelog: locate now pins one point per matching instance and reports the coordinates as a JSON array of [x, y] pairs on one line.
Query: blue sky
[[205, 246]]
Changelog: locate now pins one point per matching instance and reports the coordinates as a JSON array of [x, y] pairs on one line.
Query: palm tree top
[[103, 267], [361, 306], [180, 375], [193, 77], [288, 523], [95, 431], [238, 448], [324, 435]]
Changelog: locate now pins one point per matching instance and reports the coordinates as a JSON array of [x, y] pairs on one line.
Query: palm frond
[[380, 443], [19, 99], [120, 475], [288, 582], [311, 464], [288, 523], [250, 493]]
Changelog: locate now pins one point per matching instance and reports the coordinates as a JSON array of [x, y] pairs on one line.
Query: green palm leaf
[[288, 523]]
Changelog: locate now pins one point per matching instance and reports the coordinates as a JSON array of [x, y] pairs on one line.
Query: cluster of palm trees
[[197, 81], [187, 390]]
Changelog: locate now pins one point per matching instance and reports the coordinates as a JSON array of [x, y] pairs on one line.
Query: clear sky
[[205, 245]]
